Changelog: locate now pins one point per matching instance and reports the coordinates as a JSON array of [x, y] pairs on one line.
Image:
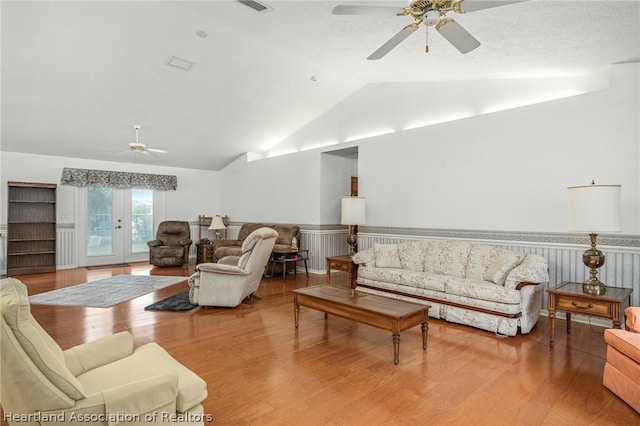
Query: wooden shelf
[[31, 228]]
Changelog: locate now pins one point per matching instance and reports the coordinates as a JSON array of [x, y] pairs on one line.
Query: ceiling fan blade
[[394, 41], [159, 151], [455, 34], [365, 10], [473, 5]]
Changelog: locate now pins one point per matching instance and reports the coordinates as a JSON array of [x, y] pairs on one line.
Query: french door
[[117, 224]]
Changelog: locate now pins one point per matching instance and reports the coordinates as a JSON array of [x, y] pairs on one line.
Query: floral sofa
[[468, 283]]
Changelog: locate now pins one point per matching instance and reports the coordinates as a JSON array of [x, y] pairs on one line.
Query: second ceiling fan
[[430, 13]]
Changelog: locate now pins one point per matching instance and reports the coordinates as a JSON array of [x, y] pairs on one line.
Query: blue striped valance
[[121, 180]]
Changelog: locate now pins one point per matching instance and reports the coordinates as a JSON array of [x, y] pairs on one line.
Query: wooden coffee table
[[382, 312]]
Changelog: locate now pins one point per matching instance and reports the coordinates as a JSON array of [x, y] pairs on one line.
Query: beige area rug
[[106, 292]]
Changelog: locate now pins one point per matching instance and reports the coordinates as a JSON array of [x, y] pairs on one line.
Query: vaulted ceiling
[[78, 75]]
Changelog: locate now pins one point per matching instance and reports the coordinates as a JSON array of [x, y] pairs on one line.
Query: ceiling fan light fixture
[[431, 17]]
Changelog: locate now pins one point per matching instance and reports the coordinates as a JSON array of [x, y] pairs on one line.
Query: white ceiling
[[77, 75]]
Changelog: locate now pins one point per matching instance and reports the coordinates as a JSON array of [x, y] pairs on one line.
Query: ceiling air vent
[[257, 6]]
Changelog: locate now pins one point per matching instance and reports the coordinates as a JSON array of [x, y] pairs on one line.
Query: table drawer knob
[[589, 306]]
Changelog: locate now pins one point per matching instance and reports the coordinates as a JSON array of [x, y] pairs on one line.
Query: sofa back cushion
[[248, 228], [481, 257], [286, 234], [412, 254], [447, 257], [387, 256]]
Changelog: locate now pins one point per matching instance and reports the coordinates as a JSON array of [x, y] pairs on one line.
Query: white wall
[[197, 193], [508, 170], [279, 190], [505, 170]]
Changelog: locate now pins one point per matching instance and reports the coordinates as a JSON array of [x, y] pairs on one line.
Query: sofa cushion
[[624, 341], [415, 279], [387, 256], [481, 290], [447, 257], [503, 263], [147, 361], [412, 255]]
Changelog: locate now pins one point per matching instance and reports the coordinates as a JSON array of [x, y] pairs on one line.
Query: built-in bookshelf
[[31, 228]]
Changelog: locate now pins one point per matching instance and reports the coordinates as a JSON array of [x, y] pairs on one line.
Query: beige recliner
[[234, 278], [106, 381]]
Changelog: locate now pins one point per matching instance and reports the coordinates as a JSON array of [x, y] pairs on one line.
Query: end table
[[570, 298], [289, 256], [342, 263]]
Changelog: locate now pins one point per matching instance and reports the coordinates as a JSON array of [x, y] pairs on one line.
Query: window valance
[[121, 180]]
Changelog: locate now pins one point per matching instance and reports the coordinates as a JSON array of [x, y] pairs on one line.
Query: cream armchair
[[106, 381], [234, 278]]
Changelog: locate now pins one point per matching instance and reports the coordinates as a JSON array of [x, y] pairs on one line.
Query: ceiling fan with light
[[431, 13], [139, 148]]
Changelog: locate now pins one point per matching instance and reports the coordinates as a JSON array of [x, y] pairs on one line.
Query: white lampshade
[[353, 211], [217, 223], [594, 208]]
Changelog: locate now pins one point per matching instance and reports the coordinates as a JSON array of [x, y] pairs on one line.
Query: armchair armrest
[[154, 243], [185, 242], [156, 394], [90, 355], [221, 268]]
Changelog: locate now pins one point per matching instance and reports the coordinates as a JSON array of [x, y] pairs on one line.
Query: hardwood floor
[[260, 370]]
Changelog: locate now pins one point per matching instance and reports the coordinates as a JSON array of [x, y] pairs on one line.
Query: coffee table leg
[[425, 329], [396, 348], [296, 313]]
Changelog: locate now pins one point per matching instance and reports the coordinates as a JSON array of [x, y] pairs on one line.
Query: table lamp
[[217, 224], [594, 209], [353, 213]]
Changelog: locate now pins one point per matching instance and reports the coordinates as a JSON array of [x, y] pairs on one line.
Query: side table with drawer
[[204, 252], [342, 263], [570, 298]]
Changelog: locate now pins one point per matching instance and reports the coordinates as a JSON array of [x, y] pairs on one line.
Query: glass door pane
[[141, 219], [100, 222]]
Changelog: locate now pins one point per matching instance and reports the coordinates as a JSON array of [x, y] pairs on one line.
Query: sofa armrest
[[364, 257], [534, 269], [221, 268], [154, 243], [90, 355]]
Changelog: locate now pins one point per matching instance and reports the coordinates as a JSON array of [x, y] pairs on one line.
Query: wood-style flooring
[[260, 370]]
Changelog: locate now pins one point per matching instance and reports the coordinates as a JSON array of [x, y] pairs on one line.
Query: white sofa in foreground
[[468, 283]]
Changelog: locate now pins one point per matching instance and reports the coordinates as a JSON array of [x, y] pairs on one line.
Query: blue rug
[[179, 302], [106, 292]]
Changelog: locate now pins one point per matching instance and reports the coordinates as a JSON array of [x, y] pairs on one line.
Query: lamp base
[[596, 288], [352, 240], [593, 259]]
